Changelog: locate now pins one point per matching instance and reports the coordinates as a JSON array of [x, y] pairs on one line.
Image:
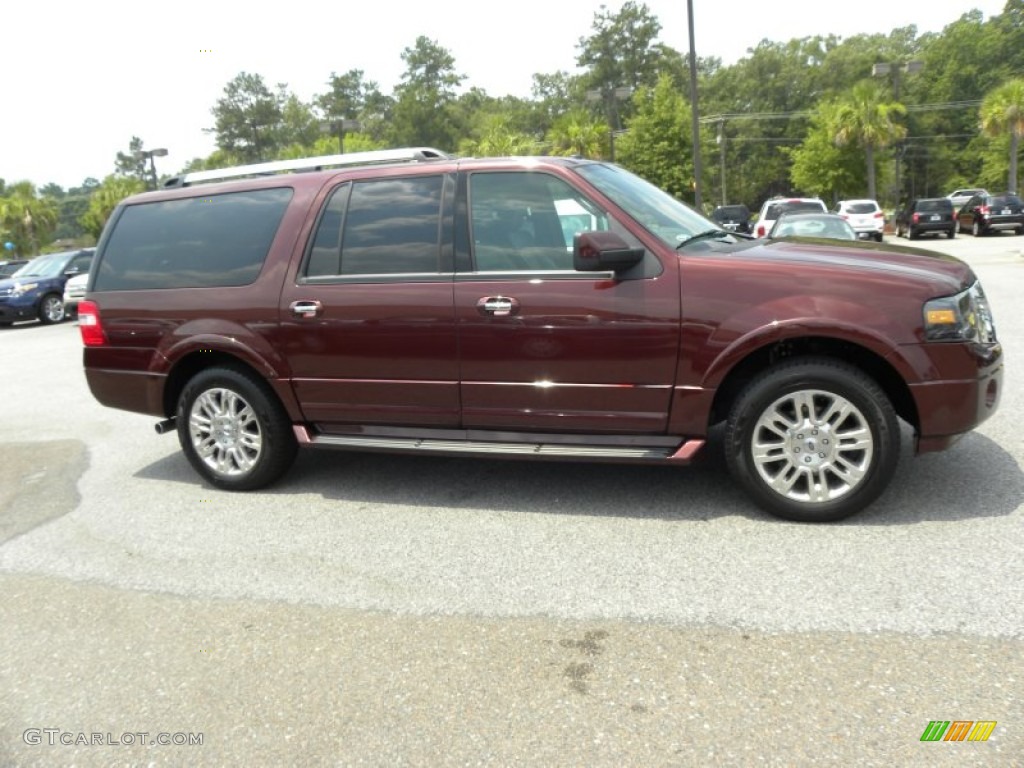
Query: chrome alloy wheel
[[52, 309], [225, 432], [812, 446]]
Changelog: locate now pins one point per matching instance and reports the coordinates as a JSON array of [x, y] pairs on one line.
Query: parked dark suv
[[407, 301], [36, 290], [735, 218], [926, 215], [984, 214]]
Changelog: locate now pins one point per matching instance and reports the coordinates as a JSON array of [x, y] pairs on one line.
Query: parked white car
[[772, 209], [865, 216], [74, 292]]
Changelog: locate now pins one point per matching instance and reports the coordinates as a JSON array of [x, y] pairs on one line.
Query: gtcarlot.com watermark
[[54, 737]]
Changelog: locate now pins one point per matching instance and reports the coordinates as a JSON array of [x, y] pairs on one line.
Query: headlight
[[22, 288], [963, 317]]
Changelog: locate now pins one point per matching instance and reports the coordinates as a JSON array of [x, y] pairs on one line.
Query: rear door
[[544, 347], [368, 321]]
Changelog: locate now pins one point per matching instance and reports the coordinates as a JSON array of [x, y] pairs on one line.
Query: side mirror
[[603, 251]]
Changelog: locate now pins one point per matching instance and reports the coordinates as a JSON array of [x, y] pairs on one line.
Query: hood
[[947, 273]]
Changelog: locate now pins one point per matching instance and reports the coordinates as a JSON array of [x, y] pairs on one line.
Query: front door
[[544, 347]]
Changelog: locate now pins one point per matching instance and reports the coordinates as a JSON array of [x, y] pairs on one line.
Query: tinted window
[[731, 213], [942, 205], [219, 240], [861, 208], [802, 206], [79, 264], [1003, 201], [527, 221], [391, 226], [795, 206]]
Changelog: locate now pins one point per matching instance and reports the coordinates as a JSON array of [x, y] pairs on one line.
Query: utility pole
[[695, 111]]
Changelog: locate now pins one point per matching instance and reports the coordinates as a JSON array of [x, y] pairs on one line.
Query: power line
[[725, 116]]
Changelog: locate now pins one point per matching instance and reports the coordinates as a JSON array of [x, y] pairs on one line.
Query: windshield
[[668, 219], [43, 266]]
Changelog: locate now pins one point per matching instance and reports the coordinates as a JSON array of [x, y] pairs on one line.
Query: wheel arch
[[185, 367], [763, 357]]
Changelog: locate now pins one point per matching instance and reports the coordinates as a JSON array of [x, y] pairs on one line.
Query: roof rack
[[309, 164]]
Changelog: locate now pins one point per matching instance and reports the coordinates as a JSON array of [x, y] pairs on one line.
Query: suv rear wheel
[[813, 440], [233, 429]]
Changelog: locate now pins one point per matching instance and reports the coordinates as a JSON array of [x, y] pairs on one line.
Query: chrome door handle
[[306, 308], [497, 306]]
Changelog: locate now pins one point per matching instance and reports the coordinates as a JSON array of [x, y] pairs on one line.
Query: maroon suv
[[545, 308]]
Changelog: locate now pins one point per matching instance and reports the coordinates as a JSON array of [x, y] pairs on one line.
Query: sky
[[81, 78]]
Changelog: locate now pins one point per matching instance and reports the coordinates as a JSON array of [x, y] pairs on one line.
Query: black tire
[[51, 309], [951, 234], [911, 234], [803, 446], [234, 430], [977, 230], [878, 237]]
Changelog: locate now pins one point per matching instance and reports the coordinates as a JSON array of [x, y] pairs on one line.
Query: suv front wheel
[[233, 429], [812, 440], [51, 309]]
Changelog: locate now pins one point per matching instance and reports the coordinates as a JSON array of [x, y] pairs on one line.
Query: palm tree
[[864, 117], [104, 200], [28, 218], [576, 133], [1002, 111]]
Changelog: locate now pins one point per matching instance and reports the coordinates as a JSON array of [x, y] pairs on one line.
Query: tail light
[[879, 214], [983, 210], [917, 217], [90, 325], [760, 230]]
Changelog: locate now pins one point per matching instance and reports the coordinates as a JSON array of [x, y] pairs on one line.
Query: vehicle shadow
[[975, 478]]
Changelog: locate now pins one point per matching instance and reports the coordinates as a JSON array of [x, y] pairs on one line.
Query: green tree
[[247, 118], [864, 117], [656, 146], [622, 53], [26, 219], [130, 163], [578, 133], [299, 122], [352, 97], [1002, 114], [104, 200], [424, 99], [822, 168], [497, 139]]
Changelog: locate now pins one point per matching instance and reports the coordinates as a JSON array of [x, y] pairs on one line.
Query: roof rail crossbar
[[309, 163]]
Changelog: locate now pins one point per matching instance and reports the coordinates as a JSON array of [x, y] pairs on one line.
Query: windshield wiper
[[704, 235]]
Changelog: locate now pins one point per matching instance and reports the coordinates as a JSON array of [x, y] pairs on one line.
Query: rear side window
[[216, 241], [380, 227]]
